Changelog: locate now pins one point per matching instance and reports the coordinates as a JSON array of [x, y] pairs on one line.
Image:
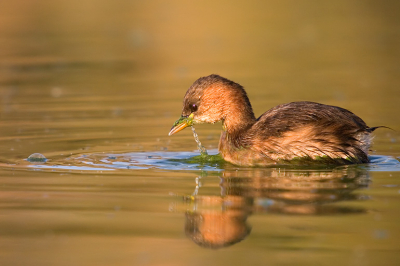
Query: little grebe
[[303, 132]]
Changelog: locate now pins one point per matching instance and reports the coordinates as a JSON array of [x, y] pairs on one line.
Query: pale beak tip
[[172, 131]]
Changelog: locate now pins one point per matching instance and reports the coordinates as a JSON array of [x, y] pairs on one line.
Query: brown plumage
[[301, 132]]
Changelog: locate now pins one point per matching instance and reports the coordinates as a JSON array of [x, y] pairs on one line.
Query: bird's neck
[[238, 117]]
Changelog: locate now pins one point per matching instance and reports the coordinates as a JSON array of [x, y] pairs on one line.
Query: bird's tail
[[371, 129]]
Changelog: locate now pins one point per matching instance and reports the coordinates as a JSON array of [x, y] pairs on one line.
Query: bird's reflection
[[216, 221]]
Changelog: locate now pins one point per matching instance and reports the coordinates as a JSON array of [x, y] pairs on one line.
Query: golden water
[[95, 86]]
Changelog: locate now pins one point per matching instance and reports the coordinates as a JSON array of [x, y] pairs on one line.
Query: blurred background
[[118, 70], [85, 78]]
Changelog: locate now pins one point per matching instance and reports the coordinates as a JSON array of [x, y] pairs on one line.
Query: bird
[[301, 132]]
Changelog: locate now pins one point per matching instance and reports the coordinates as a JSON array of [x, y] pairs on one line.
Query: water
[[200, 147], [92, 89]]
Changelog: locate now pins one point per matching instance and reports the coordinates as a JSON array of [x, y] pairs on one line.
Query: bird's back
[[310, 130]]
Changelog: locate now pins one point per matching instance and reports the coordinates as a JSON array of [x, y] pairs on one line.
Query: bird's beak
[[181, 123]]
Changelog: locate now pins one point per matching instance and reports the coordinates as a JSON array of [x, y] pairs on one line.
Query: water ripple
[[186, 161]]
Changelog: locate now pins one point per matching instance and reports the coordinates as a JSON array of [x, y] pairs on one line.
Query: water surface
[[95, 87]]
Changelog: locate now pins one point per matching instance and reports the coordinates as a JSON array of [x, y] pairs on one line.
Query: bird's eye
[[193, 107]]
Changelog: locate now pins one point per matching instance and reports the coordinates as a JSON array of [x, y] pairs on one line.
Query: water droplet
[[56, 92], [201, 148], [36, 158], [381, 234]]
